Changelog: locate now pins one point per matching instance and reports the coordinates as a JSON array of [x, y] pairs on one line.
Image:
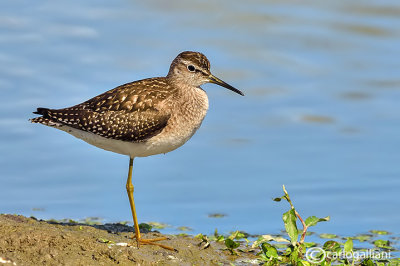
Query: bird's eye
[[191, 68]]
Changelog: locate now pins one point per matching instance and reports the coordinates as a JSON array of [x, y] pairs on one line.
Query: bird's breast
[[186, 118]]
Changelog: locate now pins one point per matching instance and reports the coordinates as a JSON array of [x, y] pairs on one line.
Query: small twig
[[305, 227], [287, 196]]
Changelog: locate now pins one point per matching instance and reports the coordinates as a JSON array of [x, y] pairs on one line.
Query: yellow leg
[[139, 240]]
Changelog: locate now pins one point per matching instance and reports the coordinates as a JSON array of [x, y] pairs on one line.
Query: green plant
[[296, 251]]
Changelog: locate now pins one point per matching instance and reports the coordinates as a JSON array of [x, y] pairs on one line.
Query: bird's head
[[193, 68]]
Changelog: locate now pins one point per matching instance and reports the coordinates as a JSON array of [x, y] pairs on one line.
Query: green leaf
[[158, 225], [220, 238], [278, 199], [184, 228], [382, 243], [281, 246], [269, 250], [262, 257], [289, 219], [380, 232], [331, 246], [348, 246], [362, 237], [327, 236], [368, 262], [266, 238], [303, 263], [145, 227], [310, 244], [199, 236], [312, 220], [294, 256], [230, 244], [238, 235], [394, 262]]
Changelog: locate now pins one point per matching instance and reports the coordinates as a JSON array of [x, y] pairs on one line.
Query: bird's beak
[[215, 80]]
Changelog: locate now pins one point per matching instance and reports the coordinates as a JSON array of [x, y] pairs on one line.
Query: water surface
[[321, 113]]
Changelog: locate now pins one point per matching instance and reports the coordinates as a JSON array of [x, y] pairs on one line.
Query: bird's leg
[[129, 190]]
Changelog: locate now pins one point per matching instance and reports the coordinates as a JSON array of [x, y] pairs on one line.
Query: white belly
[[155, 145]]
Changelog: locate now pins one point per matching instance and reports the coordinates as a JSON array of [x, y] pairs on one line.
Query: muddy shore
[[28, 241]]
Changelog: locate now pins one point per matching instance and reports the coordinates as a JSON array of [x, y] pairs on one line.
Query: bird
[[142, 118]]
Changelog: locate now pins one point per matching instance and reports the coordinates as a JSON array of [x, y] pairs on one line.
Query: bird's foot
[[152, 241]]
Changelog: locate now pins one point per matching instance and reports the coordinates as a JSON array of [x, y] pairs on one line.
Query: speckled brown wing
[[128, 112]]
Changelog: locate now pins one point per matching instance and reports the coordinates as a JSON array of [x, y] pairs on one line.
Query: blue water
[[321, 112]]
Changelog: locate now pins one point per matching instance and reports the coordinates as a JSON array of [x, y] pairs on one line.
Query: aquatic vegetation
[[296, 251], [157, 225], [216, 215]]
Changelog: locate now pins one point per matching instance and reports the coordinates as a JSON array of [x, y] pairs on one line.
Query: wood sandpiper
[[142, 118]]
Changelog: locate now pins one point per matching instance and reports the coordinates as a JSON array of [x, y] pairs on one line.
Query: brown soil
[[27, 241]]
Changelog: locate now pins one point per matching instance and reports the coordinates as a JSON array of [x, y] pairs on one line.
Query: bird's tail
[[45, 118], [41, 111]]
